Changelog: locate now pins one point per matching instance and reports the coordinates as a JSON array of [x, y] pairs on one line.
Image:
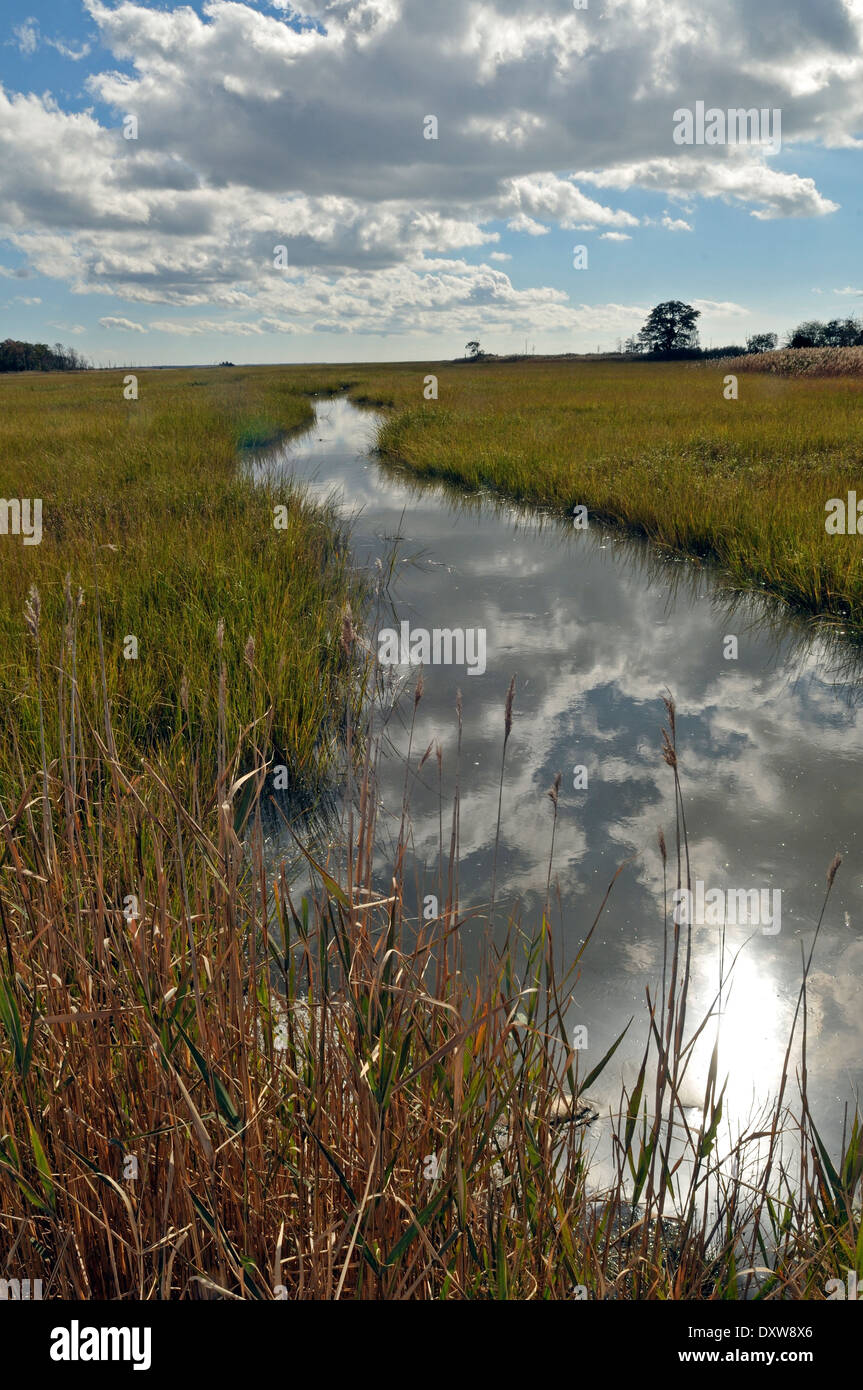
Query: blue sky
[[262, 126]]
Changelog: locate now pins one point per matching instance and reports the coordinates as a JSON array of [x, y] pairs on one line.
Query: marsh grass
[[657, 450], [321, 1101], [282, 1069], [148, 512]]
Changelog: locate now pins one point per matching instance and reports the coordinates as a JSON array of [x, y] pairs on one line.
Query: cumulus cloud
[[549, 196], [258, 128], [523, 223], [738, 178]]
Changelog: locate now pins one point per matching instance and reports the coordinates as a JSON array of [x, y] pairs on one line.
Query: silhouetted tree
[[837, 333], [670, 328], [840, 333]]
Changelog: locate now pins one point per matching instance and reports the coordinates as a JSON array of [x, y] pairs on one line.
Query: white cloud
[[254, 133], [27, 36], [721, 308], [128, 325], [68, 51], [523, 223], [28, 39], [549, 196], [675, 224], [734, 178]]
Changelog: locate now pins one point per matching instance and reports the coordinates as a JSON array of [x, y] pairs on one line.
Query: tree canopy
[[670, 327], [761, 342], [837, 333]]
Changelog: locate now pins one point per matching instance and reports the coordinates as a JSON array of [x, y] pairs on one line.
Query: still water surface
[[595, 628]]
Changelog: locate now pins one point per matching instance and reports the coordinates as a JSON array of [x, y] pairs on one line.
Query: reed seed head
[[831, 872], [349, 632], [32, 611], [507, 718]]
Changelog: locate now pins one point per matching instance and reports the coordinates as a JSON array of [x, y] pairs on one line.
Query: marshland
[[423, 1024]]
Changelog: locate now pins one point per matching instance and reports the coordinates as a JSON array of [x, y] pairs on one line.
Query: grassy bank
[[147, 512], [658, 449], [211, 1090]]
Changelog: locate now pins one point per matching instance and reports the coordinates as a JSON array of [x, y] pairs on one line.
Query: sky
[[155, 156]]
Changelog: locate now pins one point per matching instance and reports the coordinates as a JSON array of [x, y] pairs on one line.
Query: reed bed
[[802, 362], [213, 1088]]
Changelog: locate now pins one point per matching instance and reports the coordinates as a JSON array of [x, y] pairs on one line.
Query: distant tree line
[[671, 331], [39, 357], [836, 333]]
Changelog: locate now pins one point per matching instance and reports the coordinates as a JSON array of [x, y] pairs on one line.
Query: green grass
[[657, 449], [145, 501]]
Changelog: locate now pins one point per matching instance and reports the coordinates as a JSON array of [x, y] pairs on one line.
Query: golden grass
[[216, 1091], [797, 362]]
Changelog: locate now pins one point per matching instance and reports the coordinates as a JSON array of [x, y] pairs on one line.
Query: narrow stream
[[595, 628]]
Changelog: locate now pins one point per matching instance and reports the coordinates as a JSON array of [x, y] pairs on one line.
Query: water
[[595, 628]]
